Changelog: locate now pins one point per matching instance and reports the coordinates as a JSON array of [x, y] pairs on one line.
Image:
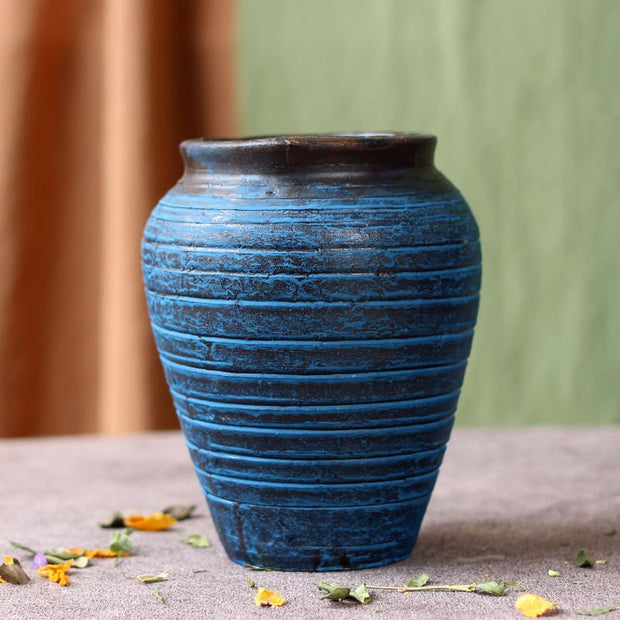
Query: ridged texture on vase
[[314, 333]]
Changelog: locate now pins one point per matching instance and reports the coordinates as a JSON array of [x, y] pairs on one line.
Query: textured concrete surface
[[509, 504]]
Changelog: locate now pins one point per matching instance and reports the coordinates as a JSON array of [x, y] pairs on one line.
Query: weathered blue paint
[[313, 301]]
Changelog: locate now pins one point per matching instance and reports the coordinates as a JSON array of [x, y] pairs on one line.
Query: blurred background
[[523, 95]]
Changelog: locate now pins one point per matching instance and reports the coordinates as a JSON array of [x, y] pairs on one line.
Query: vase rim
[[346, 138], [322, 154], [331, 140]]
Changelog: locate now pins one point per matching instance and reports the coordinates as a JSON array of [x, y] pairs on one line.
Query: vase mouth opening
[[313, 139], [316, 153]]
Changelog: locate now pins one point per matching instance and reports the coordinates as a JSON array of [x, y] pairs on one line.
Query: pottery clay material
[[313, 300]]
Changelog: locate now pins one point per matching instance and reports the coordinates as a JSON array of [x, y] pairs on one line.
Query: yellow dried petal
[[532, 605], [153, 523], [56, 572], [8, 560], [103, 553], [268, 597]]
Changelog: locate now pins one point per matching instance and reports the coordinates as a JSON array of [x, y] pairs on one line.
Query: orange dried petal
[[268, 597], [104, 553], [152, 523], [56, 572], [532, 605]]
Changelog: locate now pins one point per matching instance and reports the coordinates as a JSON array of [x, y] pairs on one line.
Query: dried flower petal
[[268, 598], [196, 540], [599, 611], [39, 560], [180, 512], [121, 543], [149, 578], [152, 523], [56, 572], [104, 553], [422, 580], [582, 560], [532, 605], [116, 519], [63, 554], [12, 572]]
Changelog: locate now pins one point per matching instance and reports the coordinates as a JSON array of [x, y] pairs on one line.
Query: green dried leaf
[[158, 595], [180, 512], [253, 567], [497, 588], [489, 557], [12, 572], [610, 533], [553, 573], [601, 562], [52, 559], [153, 578], [581, 559], [598, 611], [22, 547], [196, 540], [63, 554], [121, 542], [360, 594], [81, 562], [335, 592], [251, 583], [422, 580]]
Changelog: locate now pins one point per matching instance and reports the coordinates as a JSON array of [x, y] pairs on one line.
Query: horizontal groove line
[[280, 430], [319, 376], [332, 226], [328, 274], [307, 340], [349, 507], [205, 301], [367, 459], [439, 200], [264, 250], [340, 375], [254, 250], [303, 343], [301, 409], [200, 363], [321, 485]]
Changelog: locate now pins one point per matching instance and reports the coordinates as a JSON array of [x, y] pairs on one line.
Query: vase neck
[[322, 158]]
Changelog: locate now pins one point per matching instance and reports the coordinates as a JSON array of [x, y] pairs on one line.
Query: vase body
[[313, 300]]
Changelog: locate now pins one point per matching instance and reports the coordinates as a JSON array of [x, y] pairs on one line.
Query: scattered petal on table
[[56, 572], [270, 598], [152, 523], [11, 571], [532, 605]]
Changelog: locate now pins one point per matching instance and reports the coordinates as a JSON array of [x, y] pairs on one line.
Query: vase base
[[317, 539]]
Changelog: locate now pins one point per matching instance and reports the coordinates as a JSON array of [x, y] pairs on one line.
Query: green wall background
[[524, 96]]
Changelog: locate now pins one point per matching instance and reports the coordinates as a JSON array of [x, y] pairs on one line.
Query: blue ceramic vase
[[313, 300]]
